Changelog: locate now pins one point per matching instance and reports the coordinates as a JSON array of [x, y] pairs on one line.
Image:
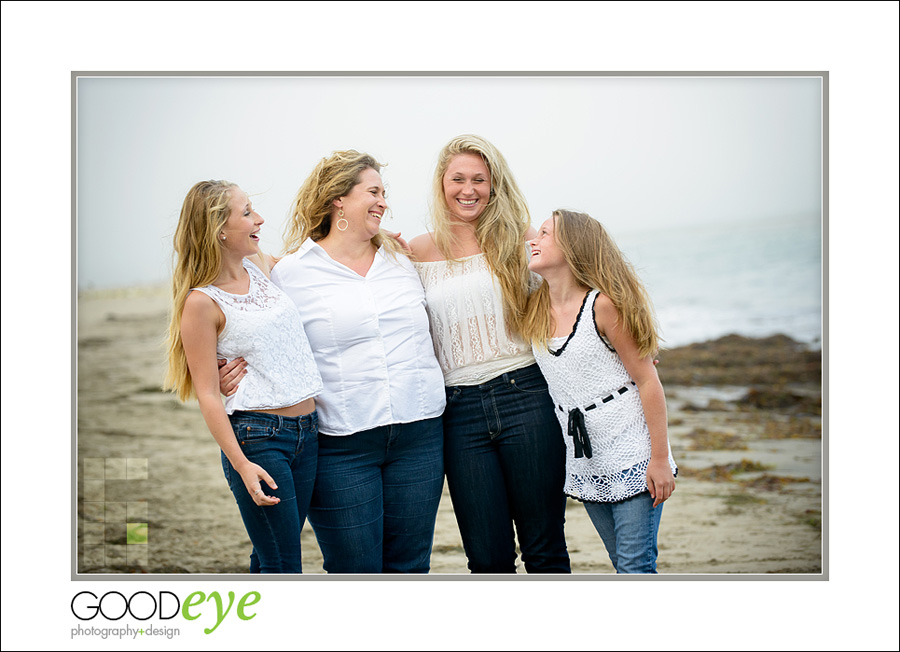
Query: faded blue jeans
[[376, 498], [505, 460], [628, 528], [287, 448]]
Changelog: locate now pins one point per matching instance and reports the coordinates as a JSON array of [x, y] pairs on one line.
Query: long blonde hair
[[500, 230], [332, 178], [198, 261], [596, 262]]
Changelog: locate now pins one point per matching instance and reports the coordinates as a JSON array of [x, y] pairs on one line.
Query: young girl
[[268, 429], [593, 334]]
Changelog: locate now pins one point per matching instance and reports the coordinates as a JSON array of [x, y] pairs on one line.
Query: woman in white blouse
[[504, 454], [380, 473]]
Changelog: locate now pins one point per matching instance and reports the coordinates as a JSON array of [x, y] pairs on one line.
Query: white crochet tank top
[[589, 382], [264, 327], [465, 310]]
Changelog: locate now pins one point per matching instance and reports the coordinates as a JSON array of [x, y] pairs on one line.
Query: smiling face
[[545, 253], [364, 205], [467, 187], [241, 231]]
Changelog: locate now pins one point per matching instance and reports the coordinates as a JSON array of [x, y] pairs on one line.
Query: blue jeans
[[628, 529], [376, 498], [505, 461], [287, 448]]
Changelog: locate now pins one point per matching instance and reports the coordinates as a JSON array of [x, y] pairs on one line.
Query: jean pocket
[[253, 434], [532, 385]]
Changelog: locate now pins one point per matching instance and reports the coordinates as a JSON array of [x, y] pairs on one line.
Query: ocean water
[[753, 278]]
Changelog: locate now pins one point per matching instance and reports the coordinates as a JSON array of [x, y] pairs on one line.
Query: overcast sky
[[635, 152]]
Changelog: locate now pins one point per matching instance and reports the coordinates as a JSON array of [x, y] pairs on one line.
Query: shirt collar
[[307, 246]]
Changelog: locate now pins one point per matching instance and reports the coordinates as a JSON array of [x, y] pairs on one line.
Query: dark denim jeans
[[505, 460], [376, 498], [287, 448]]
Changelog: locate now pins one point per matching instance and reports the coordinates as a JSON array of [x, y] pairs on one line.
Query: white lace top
[[465, 309], [264, 327], [583, 373]]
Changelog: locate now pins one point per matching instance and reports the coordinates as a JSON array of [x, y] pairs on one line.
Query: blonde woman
[[503, 451], [380, 473], [226, 306], [594, 335]]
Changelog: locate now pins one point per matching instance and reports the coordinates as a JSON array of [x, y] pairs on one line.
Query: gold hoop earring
[[346, 224], [340, 212]]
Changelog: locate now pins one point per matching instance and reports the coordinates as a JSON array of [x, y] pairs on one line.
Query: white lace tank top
[[264, 327], [589, 382], [465, 310]]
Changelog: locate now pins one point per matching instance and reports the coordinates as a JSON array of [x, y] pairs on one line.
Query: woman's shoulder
[[424, 248], [293, 259], [605, 312], [601, 302], [200, 304]]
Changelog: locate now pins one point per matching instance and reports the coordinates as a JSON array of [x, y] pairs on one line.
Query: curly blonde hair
[[198, 261], [332, 178], [596, 262], [501, 228]]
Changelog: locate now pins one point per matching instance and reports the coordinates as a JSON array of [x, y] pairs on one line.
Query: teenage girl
[[225, 306], [593, 335]]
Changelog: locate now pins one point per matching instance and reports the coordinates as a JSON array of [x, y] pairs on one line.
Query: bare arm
[[200, 323], [642, 370]]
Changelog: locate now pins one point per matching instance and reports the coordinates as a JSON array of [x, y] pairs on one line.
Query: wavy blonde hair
[[332, 178], [198, 261], [596, 262], [501, 227]]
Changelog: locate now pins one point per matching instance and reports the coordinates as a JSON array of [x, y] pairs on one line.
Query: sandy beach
[[744, 425]]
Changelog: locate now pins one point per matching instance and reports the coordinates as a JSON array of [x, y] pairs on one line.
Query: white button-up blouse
[[369, 335]]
